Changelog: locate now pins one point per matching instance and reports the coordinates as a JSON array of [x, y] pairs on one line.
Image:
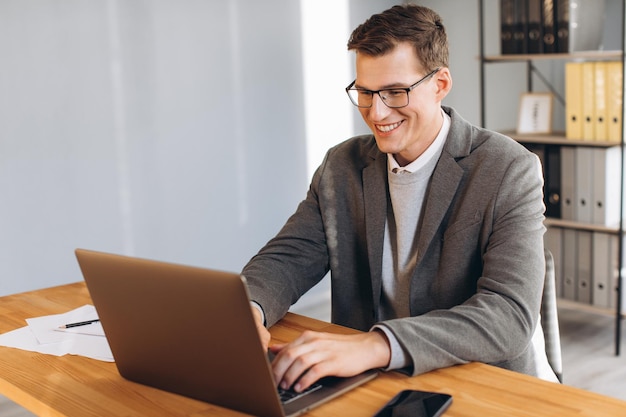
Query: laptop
[[191, 331]]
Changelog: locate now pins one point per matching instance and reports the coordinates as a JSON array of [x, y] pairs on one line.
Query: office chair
[[550, 319]]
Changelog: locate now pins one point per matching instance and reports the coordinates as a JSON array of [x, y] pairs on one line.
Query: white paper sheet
[[44, 335]]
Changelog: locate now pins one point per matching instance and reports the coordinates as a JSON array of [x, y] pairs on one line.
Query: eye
[[364, 93], [395, 93]]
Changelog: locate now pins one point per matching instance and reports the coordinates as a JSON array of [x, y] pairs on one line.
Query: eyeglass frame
[[407, 90]]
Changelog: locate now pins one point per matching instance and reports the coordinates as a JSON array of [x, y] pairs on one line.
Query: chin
[[386, 145]]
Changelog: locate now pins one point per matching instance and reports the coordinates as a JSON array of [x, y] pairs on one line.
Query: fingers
[[297, 364], [315, 355]]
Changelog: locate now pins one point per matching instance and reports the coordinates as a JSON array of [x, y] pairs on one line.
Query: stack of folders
[[593, 101], [551, 26], [586, 266], [581, 183]]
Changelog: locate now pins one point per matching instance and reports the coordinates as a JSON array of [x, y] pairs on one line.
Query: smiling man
[[405, 123], [432, 229]]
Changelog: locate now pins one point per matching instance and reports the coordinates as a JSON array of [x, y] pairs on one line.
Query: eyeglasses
[[392, 97]]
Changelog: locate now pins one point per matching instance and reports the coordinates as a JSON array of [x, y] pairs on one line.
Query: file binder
[[606, 186], [549, 156], [573, 100], [507, 26], [614, 100], [568, 176], [612, 258], [534, 36], [570, 263], [600, 101], [562, 25], [615, 288], [583, 183], [548, 26], [605, 250], [552, 178], [583, 273], [520, 27], [588, 100]]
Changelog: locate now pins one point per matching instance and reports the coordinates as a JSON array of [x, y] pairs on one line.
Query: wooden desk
[[81, 387]]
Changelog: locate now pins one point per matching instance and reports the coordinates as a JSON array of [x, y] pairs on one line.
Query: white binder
[[583, 273], [570, 264], [583, 184], [604, 268], [606, 186]]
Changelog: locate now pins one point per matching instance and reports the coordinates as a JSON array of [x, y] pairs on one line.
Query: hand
[[264, 334], [314, 355]]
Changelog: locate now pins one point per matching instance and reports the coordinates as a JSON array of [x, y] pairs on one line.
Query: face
[[408, 131]]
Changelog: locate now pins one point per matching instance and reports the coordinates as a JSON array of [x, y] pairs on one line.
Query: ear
[[443, 78]]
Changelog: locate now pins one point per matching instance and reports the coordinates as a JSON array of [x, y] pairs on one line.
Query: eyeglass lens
[[392, 98]]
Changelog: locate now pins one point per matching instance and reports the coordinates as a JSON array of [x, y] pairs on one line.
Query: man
[[432, 228]]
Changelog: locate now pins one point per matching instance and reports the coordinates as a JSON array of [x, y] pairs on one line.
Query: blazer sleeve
[[278, 275]]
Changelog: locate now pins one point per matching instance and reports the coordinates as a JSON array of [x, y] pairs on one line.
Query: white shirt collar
[[429, 153]]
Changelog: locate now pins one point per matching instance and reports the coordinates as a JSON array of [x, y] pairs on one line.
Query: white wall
[[165, 129]]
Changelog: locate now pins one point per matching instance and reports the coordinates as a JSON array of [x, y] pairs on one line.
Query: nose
[[379, 109]]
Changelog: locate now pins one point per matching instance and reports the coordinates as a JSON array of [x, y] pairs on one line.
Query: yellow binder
[[573, 100], [600, 97], [588, 100], [614, 100]]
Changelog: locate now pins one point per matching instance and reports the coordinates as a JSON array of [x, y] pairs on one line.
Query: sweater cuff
[[399, 358], [258, 307]]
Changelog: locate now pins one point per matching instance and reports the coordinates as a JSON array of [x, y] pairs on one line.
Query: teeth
[[388, 128]]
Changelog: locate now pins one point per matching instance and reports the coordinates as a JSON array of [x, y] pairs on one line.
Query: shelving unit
[[560, 139], [586, 55], [557, 138]]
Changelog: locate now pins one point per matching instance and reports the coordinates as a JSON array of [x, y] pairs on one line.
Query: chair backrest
[[550, 319]]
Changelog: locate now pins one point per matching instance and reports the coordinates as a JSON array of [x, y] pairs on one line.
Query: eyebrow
[[385, 87]]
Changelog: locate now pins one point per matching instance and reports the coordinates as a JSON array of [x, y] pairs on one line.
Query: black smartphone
[[416, 404]]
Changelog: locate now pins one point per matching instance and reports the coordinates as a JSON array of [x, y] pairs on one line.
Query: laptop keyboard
[[289, 395]]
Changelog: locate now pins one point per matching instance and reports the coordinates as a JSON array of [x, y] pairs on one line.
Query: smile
[[388, 128]]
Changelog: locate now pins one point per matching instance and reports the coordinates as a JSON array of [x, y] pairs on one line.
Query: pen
[[80, 323]]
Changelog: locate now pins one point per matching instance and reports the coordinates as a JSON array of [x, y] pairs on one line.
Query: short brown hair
[[417, 25]]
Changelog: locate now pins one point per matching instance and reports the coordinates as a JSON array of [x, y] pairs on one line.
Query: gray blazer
[[476, 290]]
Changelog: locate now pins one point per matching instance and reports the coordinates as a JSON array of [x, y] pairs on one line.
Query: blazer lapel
[[445, 181], [376, 200], [443, 187]]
